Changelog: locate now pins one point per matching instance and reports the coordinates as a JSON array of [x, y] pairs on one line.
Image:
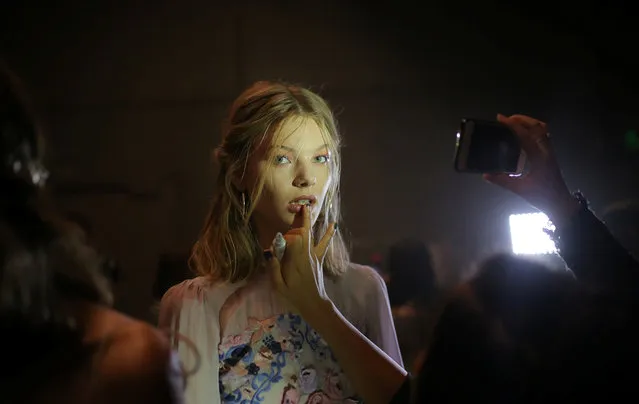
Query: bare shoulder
[[138, 358], [133, 345]]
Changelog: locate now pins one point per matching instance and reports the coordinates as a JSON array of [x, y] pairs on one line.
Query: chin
[[286, 221]]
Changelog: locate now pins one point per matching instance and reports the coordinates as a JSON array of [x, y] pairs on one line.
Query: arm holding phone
[[584, 242], [500, 150]]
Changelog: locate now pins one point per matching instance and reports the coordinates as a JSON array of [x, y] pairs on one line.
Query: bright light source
[[528, 236]]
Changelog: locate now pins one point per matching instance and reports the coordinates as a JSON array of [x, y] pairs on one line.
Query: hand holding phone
[[488, 147], [542, 185]]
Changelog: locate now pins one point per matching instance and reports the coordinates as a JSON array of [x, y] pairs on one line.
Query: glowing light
[[527, 234], [632, 140]]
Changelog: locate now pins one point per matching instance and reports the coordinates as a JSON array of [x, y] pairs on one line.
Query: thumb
[[322, 246], [273, 265], [506, 181]]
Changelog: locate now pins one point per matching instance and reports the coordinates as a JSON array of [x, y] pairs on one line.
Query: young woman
[[280, 155], [64, 343]]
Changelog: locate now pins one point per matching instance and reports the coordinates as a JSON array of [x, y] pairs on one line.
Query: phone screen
[[487, 147]]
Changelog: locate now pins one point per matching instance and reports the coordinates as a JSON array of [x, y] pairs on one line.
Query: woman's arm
[[374, 375], [300, 280], [380, 327]]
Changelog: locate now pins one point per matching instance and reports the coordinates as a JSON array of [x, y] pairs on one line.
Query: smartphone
[[488, 147]]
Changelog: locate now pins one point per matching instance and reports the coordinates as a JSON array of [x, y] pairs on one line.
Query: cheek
[[325, 178], [275, 182], [253, 174]]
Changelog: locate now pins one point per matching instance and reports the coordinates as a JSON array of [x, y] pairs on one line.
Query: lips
[[295, 205]]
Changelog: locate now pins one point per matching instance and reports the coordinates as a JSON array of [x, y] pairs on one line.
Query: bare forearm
[[374, 375]]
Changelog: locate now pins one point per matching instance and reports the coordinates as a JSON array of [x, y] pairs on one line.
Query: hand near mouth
[[298, 220], [299, 277]]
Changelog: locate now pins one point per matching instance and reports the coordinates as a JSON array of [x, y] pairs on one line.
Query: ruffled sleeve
[[190, 312]]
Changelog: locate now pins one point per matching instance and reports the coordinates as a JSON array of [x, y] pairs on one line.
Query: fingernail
[[268, 255]]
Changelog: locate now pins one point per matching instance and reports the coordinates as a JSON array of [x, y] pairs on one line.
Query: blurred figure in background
[[64, 344], [623, 220], [412, 287], [110, 266]]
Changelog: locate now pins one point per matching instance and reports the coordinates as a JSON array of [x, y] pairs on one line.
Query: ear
[[239, 180], [238, 183]]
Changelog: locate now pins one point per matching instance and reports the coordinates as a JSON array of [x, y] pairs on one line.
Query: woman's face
[[296, 171]]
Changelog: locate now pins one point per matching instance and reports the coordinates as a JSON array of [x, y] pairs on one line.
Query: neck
[[265, 233], [265, 238]]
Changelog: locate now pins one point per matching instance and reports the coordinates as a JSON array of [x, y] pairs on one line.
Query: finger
[[276, 271], [505, 181], [528, 122], [306, 217], [293, 243], [537, 141], [294, 236], [298, 220], [531, 134], [306, 234], [322, 246], [534, 129], [295, 232]]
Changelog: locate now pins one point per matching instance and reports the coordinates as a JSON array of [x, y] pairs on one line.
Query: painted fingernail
[[268, 255]]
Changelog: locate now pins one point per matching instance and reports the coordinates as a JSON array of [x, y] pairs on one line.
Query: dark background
[[133, 93]]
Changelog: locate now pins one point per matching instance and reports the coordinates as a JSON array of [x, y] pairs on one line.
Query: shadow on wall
[[172, 269]]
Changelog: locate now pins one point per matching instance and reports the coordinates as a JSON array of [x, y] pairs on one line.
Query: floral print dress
[[252, 348], [280, 360]]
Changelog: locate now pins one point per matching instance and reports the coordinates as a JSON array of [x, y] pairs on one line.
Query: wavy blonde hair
[[228, 249]]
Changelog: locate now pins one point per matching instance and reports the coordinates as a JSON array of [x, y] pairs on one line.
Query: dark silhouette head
[[44, 265], [499, 336], [411, 272]]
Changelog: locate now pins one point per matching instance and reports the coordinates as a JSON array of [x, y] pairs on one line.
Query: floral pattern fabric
[[280, 360]]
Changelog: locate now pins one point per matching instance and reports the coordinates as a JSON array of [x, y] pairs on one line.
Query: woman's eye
[[282, 160], [322, 159]]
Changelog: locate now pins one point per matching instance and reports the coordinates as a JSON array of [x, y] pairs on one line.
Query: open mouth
[[306, 200]]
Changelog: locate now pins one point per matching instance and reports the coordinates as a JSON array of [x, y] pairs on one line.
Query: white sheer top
[[252, 348]]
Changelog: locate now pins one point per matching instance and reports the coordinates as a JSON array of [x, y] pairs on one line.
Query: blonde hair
[[228, 249]]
